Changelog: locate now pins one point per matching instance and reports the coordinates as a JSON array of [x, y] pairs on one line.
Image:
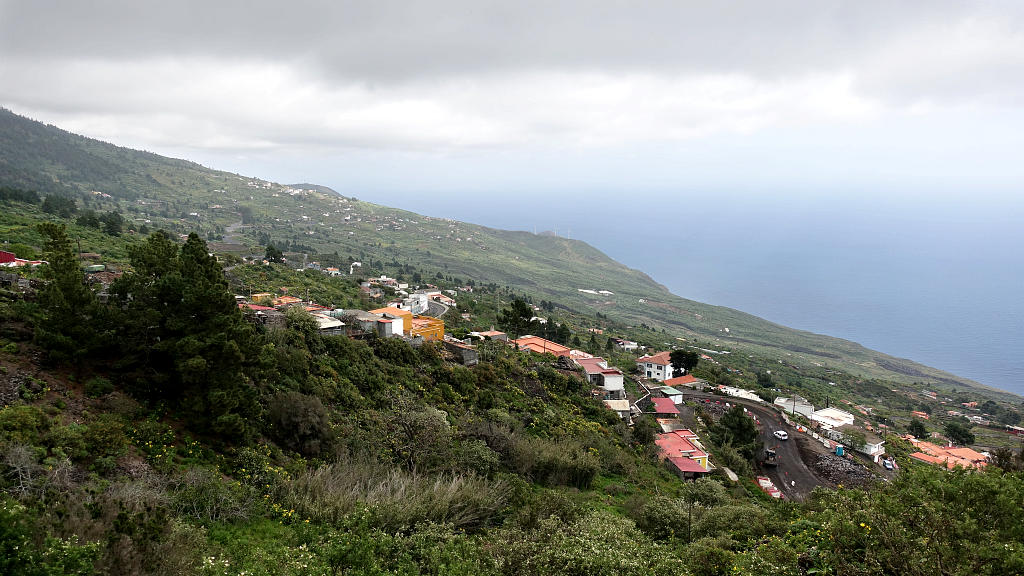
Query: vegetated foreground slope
[[182, 196]]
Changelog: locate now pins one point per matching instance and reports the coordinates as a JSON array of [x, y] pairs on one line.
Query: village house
[[656, 367], [284, 301], [664, 408], [683, 452], [947, 457], [541, 346], [599, 374], [11, 260], [831, 417], [491, 334], [873, 446], [464, 354], [404, 318], [620, 407], [625, 345], [328, 325], [369, 323], [688, 380], [669, 392], [430, 329]]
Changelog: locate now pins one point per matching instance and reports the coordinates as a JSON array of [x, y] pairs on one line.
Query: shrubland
[[165, 432]]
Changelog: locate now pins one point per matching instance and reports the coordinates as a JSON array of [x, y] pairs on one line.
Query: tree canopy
[[683, 361]]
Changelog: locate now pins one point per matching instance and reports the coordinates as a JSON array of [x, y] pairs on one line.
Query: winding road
[[792, 475]]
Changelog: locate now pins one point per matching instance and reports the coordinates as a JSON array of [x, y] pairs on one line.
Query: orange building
[[431, 329], [541, 346], [949, 457], [393, 313]]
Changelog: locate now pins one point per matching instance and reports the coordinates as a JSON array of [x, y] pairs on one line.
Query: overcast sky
[[818, 97]]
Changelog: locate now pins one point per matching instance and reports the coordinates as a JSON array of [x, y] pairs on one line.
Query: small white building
[[740, 393], [600, 374], [675, 395], [795, 405], [620, 407], [625, 345], [873, 446], [832, 417]]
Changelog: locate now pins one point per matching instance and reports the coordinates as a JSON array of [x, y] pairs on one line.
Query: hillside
[[242, 214]]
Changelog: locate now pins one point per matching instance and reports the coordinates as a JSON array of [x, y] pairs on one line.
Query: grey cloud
[[388, 41]]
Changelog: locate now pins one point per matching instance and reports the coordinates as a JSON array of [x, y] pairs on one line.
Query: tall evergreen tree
[[67, 328], [186, 341]]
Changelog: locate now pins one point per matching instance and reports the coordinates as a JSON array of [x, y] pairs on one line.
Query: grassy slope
[[148, 186]]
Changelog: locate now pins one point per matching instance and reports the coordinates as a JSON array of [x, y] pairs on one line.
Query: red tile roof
[[685, 379], [541, 346], [679, 448], [659, 358], [685, 464], [949, 457], [664, 406]]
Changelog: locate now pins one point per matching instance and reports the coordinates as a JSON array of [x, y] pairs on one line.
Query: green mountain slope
[[246, 212]]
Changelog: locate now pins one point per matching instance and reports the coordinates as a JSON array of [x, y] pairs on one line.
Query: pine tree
[[66, 329]]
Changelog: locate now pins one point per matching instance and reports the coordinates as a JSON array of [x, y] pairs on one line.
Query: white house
[[625, 345], [599, 374], [656, 367]]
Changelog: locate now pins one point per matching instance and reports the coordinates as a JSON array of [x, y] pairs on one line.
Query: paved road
[[791, 466], [435, 309]]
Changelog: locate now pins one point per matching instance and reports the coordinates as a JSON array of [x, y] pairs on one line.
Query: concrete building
[[795, 405], [656, 367], [831, 417], [430, 329], [403, 316], [611, 380]]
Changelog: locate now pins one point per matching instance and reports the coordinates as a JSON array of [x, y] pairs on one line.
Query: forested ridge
[[162, 431]]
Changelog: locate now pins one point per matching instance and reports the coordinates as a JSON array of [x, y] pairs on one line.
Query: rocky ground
[[839, 470]]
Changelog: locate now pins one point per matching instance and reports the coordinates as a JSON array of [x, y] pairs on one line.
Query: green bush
[[23, 423], [98, 386], [299, 423], [105, 439], [202, 494], [562, 463]]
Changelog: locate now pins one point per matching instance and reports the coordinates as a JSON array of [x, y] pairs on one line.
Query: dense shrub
[[554, 463], [202, 494], [98, 386], [299, 423], [22, 423]]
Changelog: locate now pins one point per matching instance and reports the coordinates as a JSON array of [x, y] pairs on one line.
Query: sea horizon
[[931, 285]]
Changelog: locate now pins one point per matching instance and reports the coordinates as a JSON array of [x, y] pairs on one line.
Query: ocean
[[936, 280]]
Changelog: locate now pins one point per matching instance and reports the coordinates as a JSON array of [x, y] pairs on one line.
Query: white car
[[782, 435]]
